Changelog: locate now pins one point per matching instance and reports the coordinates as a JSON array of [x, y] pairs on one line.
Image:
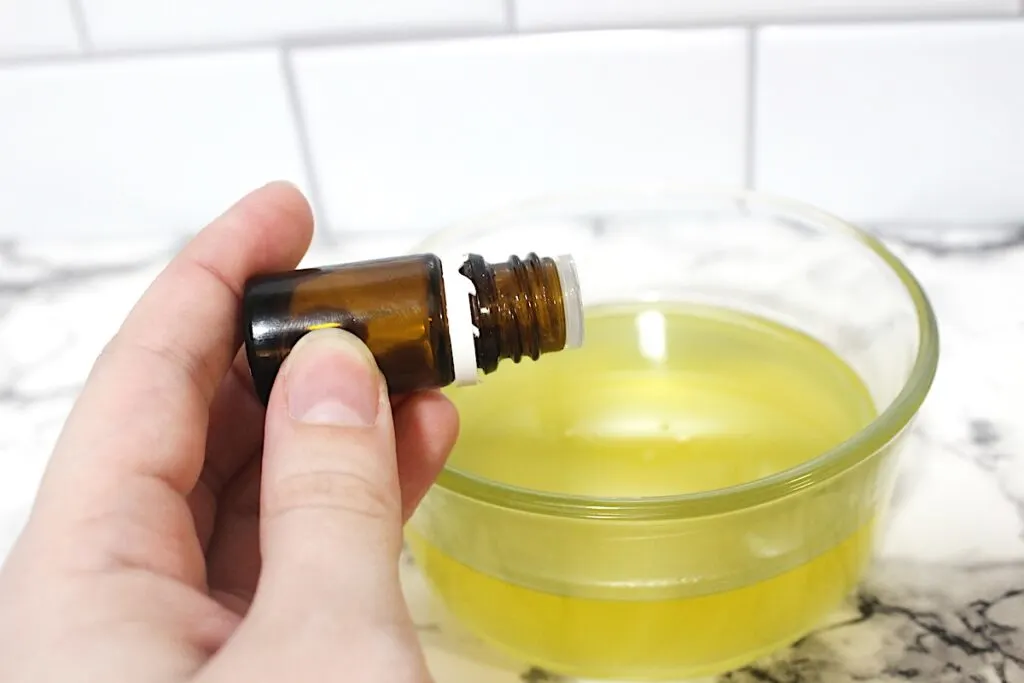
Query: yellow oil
[[661, 400]]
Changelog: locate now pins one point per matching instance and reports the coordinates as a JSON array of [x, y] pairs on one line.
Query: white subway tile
[[413, 136], [350, 247], [898, 122], [33, 27], [537, 14], [121, 23], [111, 147]]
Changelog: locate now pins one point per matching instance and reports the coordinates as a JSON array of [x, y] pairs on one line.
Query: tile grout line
[[806, 20], [291, 43], [324, 235], [81, 26], [750, 124], [347, 39], [512, 17]]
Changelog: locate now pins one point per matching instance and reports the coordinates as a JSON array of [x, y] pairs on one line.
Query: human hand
[[174, 538]]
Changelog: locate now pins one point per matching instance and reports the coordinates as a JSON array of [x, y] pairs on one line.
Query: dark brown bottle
[[427, 326]]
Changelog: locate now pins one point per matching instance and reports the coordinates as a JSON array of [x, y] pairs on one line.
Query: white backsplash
[[136, 117], [895, 123]]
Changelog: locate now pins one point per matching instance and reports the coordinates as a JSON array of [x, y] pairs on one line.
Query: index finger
[[144, 410]]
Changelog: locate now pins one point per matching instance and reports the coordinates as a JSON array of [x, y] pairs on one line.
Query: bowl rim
[[867, 443]]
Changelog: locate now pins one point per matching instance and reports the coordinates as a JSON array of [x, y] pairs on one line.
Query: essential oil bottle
[[429, 322]]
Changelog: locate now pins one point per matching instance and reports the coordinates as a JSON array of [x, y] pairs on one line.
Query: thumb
[[329, 598], [331, 510]]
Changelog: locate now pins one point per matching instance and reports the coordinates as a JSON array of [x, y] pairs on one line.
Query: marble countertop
[[945, 601]]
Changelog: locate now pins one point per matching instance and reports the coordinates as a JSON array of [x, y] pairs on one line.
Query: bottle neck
[[520, 308]]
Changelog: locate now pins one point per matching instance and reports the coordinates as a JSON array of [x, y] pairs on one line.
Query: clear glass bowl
[[675, 586]]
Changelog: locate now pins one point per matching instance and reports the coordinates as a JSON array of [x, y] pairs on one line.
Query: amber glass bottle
[[429, 323]]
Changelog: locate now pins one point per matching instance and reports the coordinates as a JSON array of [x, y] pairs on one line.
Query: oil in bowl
[[702, 482], [662, 400]]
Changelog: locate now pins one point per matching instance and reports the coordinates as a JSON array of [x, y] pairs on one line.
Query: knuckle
[[344, 491], [174, 364]]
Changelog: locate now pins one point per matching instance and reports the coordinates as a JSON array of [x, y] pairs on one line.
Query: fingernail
[[332, 379]]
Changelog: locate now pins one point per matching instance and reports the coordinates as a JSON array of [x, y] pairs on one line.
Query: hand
[[175, 538]]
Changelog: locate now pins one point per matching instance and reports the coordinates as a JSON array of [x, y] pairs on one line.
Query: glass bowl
[[687, 578]]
